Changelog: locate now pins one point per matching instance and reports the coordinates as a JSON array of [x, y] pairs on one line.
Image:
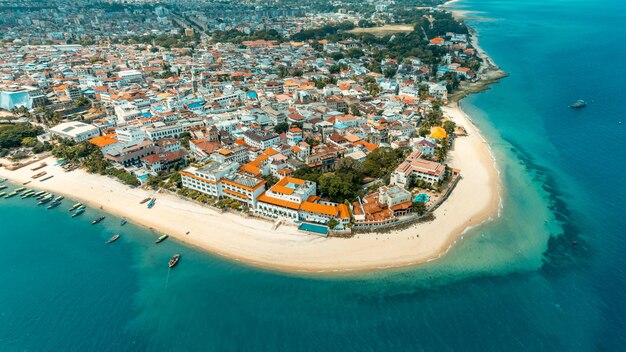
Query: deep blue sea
[[517, 284]]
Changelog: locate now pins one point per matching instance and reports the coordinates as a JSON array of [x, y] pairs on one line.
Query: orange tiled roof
[[103, 141], [319, 208], [282, 203]]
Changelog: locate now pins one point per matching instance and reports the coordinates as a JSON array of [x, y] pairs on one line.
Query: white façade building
[[417, 168], [160, 130], [131, 76], [77, 131], [222, 180]]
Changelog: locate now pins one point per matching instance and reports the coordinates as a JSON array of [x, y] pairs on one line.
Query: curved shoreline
[[252, 241]]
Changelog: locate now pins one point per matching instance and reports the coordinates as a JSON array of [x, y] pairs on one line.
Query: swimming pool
[[421, 198], [318, 229]]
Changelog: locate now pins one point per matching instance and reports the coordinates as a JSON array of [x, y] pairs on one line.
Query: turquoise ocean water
[[517, 284]]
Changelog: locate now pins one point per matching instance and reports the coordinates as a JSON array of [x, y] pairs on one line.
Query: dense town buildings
[[239, 119]]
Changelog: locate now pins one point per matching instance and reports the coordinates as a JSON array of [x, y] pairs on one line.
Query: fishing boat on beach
[[20, 189], [151, 203], [41, 166], [174, 260], [78, 212], [161, 239], [113, 239], [25, 183], [46, 178], [145, 200], [38, 175], [97, 220], [76, 206]]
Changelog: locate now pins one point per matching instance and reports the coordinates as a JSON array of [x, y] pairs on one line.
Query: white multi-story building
[[126, 111], [222, 180], [160, 130], [131, 76], [261, 141], [418, 169], [77, 131], [130, 135]]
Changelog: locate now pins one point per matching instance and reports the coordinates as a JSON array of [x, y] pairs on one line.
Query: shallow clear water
[[517, 283]]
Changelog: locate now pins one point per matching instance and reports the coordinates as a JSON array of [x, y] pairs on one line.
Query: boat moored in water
[[44, 201], [3, 186], [76, 206], [174, 260], [161, 239], [578, 104], [54, 205], [113, 239], [12, 194], [97, 220], [78, 212], [123, 222]]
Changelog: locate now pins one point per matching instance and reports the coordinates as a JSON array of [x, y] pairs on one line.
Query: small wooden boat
[[145, 201], [151, 203], [76, 206], [27, 182], [37, 194], [59, 198], [161, 239], [39, 174], [78, 212], [28, 194], [44, 201], [2, 194], [97, 220], [41, 166], [12, 194], [174, 260], [578, 104], [20, 189], [123, 222], [3, 186], [54, 205], [46, 178], [113, 239]]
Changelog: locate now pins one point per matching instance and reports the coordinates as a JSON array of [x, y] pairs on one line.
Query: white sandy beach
[[474, 200]]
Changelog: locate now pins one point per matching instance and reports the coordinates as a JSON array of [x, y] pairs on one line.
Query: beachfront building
[[296, 200], [222, 180], [75, 130], [285, 198], [415, 168]]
